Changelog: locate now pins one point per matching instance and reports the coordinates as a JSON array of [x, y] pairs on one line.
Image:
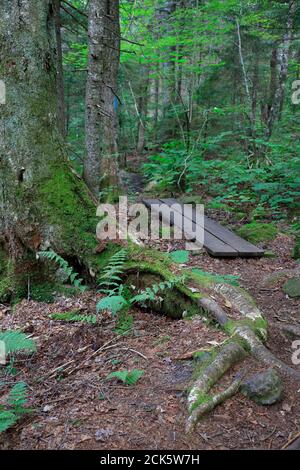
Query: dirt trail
[[87, 411]]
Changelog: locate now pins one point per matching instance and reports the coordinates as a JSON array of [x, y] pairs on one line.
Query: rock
[[265, 388], [292, 287]]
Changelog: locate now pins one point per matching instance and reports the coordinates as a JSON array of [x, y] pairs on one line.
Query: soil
[[83, 409]]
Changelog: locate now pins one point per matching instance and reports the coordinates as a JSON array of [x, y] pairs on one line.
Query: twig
[[291, 441], [94, 354]]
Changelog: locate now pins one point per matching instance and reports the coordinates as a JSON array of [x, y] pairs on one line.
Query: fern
[[67, 269], [125, 324], [150, 293], [110, 280], [116, 302], [126, 376], [14, 408], [73, 317], [112, 303], [16, 341]]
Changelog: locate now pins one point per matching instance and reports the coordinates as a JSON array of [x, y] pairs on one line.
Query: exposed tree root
[[247, 333], [240, 299], [214, 310], [261, 353], [229, 354], [211, 403]]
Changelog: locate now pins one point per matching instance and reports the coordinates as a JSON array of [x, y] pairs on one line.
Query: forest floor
[[84, 410]]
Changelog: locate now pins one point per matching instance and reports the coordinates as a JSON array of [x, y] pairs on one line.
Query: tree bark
[[100, 166], [143, 108], [61, 105], [42, 203], [283, 60]]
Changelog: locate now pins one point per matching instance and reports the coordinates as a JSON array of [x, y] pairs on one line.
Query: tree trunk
[[101, 123], [143, 108], [283, 70], [42, 203], [60, 76]]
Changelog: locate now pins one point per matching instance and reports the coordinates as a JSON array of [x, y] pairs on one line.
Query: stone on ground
[[265, 388], [292, 287]]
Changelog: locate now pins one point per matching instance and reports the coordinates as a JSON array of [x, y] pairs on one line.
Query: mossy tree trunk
[[42, 203]]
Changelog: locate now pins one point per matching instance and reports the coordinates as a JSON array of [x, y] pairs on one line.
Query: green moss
[[258, 232], [207, 356], [66, 204], [292, 287], [259, 326], [202, 398], [205, 278]]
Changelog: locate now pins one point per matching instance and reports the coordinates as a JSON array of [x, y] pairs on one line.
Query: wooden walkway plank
[[212, 244], [218, 240], [243, 247]]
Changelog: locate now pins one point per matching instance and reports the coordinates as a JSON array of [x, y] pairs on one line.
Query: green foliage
[[180, 256], [14, 408], [258, 232], [167, 167], [204, 276], [16, 341], [119, 299], [268, 187], [74, 316], [68, 270], [127, 377], [296, 250], [43, 292], [111, 278], [112, 303], [124, 324]]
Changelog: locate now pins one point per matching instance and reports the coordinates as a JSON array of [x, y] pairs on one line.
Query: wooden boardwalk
[[218, 240]]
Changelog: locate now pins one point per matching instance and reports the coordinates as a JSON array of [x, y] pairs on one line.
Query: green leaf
[[113, 304], [17, 341], [7, 419], [127, 377], [180, 256]]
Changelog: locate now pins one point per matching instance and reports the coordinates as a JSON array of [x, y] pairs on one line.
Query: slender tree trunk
[[42, 203], [143, 108], [101, 123], [283, 70]]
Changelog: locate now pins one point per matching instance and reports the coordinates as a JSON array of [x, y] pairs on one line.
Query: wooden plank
[[243, 247], [212, 244]]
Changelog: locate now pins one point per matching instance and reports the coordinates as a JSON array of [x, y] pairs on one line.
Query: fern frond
[[18, 396], [74, 317], [63, 264], [16, 341], [111, 277], [150, 293], [14, 407], [7, 419]]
